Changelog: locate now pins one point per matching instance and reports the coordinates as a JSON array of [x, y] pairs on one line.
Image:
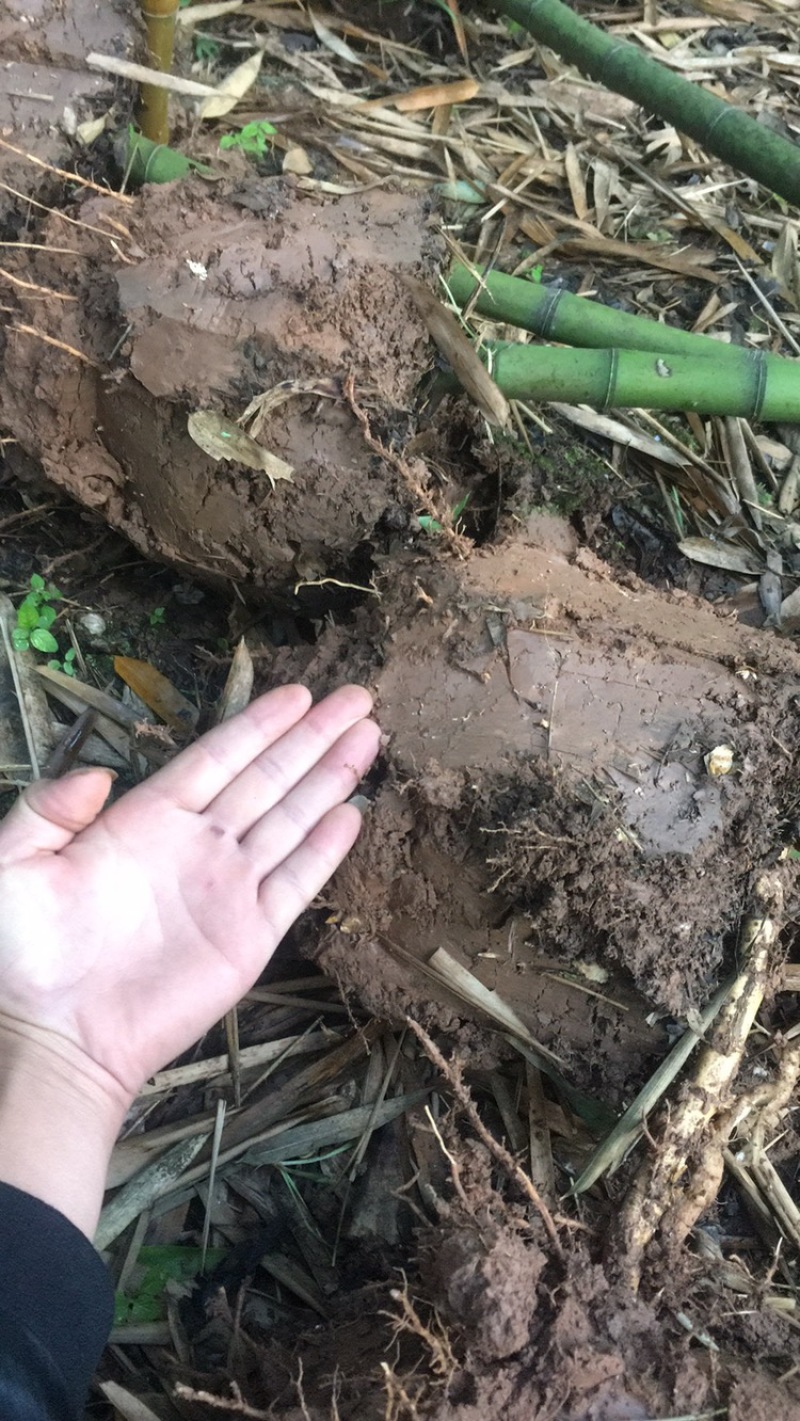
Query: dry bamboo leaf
[[222, 438], [296, 160], [158, 693], [143, 1190], [82, 695], [620, 433], [87, 132], [449, 338], [238, 686], [127, 1406], [233, 88], [431, 96], [199, 14], [577, 187], [342, 50], [469, 987], [732, 557], [785, 266], [452, 7], [790, 611], [696, 265]]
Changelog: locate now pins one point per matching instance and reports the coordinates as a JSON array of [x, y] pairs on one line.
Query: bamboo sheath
[[555, 314], [723, 129], [632, 379]]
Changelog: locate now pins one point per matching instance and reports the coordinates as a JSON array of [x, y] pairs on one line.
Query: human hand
[[125, 934]]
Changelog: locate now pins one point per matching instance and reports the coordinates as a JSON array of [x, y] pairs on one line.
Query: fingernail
[[360, 802]]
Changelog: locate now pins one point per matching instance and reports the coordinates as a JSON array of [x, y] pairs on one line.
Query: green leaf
[[37, 582], [47, 616], [28, 613], [20, 639], [156, 1266], [253, 138], [70, 656], [43, 640], [428, 524]]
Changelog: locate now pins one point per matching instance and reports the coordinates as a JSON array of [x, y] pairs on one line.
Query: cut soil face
[[547, 818], [212, 306]]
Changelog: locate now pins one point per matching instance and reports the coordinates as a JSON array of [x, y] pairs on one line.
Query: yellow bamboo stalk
[[153, 114]]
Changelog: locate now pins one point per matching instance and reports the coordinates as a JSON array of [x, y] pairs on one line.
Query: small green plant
[[35, 617], [67, 665], [432, 525], [205, 49], [254, 138], [158, 617]]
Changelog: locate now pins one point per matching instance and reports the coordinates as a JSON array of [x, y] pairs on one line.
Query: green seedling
[[205, 49], [67, 665], [158, 617], [254, 139], [157, 1266], [432, 525], [35, 617]]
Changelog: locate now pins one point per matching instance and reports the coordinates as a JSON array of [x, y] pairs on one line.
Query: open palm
[[130, 931]]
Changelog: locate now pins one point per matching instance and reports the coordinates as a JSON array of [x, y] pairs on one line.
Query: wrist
[[60, 1115]]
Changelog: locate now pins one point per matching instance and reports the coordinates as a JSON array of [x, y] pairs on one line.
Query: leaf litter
[[395, 1166]]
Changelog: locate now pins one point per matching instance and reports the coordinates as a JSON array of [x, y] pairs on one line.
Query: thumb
[[49, 813]]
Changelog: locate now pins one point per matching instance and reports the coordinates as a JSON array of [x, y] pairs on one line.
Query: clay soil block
[[201, 302]]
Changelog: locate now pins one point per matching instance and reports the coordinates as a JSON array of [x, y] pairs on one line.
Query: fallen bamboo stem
[[555, 314], [637, 379]]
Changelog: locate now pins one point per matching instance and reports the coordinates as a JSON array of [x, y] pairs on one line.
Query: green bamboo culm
[[636, 379], [557, 315], [724, 130], [153, 111]]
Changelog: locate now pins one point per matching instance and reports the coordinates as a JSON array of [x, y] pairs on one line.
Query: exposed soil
[[543, 811], [207, 304]]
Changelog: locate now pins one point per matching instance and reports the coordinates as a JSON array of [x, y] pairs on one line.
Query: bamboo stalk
[[724, 130], [637, 379], [153, 114], [555, 314]]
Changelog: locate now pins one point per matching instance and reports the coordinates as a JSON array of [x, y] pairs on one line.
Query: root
[[442, 1359], [670, 1191], [456, 541], [399, 1405], [504, 1158]]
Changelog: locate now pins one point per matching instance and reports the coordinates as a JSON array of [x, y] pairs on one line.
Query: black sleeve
[[56, 1310]]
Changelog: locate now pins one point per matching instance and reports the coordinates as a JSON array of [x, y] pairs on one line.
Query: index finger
[[199, 773]]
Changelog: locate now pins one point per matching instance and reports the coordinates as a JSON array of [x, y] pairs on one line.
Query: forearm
[[59, 1118]]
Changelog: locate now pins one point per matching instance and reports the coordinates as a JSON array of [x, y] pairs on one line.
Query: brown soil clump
[[220, 299]]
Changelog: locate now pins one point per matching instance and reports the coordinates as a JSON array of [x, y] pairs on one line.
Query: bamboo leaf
[[233, 88], [453, 343], [221, 438], [157, 692], [731, 557]]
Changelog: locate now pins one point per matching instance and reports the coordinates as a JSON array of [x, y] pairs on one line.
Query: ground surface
[[543, 820]]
